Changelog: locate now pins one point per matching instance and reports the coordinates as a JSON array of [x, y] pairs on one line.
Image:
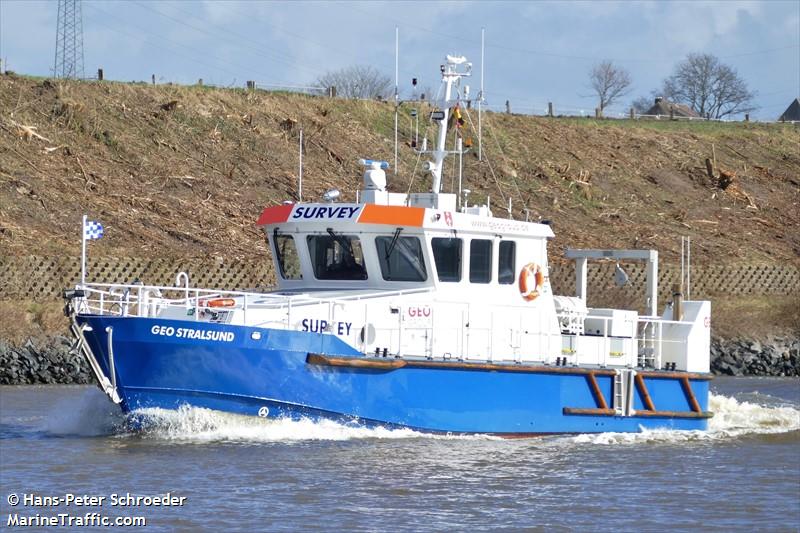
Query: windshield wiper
[[393, 243], [344, 243]]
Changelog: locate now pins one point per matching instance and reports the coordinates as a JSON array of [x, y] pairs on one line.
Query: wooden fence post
[[251, 85], [100, 74], [153, 77], [549, 109], [200, 82], [747, 117], [508, 107], [633, 114]]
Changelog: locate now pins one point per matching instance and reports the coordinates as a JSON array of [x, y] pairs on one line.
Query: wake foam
[[204, 425], [95, 416], [732, 419]]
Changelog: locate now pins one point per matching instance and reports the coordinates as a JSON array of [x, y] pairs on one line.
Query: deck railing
[[151, 301]]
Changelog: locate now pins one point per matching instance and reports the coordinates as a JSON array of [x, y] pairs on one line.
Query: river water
[[247, 474]]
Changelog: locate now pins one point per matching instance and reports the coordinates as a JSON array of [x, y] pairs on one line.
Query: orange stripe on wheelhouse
[[275, 214], [392, 214]]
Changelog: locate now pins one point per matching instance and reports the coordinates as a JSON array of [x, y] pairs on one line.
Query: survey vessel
[[413, 310]]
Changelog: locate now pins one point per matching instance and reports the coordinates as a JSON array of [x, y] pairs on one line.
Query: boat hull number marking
[[342, 211], [314, 325], [191, 333]]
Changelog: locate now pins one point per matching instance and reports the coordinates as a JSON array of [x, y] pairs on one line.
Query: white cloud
[[691, 26]]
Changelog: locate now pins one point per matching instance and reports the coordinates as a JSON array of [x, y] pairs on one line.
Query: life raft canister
[[531, 280]]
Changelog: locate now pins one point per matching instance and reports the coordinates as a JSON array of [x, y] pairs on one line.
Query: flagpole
[[83, 251]]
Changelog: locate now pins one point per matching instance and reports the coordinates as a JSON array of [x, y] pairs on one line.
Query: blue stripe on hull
[[243, 375]]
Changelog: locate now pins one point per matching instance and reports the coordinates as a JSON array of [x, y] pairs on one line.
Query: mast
[[480, 102], [396, 95], [450, 79], [300, 172]]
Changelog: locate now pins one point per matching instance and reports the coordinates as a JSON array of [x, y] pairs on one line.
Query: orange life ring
[[222, 302], [531, 280]]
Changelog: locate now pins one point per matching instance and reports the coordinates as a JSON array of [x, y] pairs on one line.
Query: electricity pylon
[[69, 40]]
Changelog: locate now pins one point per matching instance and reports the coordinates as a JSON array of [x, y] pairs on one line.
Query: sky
[[535, 52]]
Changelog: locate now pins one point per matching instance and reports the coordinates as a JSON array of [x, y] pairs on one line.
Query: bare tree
[[642, 104], [711, 88], [609, 82], [358, 81]]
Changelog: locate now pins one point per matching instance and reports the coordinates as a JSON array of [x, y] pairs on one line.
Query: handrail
[[183, 276], [307, 298], [479, 338], [206, 293]]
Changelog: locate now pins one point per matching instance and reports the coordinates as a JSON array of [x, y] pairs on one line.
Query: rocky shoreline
[[42, 361], [775, 356], [49, 361]]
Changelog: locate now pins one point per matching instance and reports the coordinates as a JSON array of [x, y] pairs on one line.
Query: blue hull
[[168, 363]]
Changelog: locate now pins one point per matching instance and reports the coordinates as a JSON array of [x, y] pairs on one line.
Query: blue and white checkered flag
[[92, 230]]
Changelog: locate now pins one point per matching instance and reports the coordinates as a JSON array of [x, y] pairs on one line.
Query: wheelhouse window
[[288, 258], [336, 256], [480, 261], [447, 256], [506, 267], [401, 258]]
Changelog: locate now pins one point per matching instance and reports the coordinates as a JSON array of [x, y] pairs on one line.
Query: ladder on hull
[[624, 386]]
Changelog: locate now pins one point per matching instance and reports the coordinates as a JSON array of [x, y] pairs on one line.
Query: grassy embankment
[[183, 172]]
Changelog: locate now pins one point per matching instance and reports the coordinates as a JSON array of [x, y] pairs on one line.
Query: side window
[[336, 256], [480, 261], [288, 259], [401, 259], [506, 262], [447, 256]]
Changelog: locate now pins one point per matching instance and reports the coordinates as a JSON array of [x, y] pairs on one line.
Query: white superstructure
[[415, 276]]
